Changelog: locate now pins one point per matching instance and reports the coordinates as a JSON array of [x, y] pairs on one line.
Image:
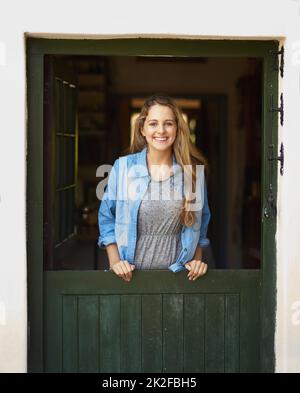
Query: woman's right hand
[[123, 269]]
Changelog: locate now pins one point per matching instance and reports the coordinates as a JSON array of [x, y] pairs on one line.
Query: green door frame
[[36, 48]]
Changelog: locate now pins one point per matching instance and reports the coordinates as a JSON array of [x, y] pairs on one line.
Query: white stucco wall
[[254, 19]]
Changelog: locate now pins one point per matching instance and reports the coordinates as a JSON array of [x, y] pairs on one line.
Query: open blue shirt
[[117, 216]]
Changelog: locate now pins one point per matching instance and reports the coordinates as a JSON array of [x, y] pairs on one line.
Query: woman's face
[[160, 128]]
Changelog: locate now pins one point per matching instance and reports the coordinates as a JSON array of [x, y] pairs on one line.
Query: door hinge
[[279, 158], [279, 67], [270, 209], [280, 109]]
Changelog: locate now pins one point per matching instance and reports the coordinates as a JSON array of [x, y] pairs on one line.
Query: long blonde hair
[[185, 151]]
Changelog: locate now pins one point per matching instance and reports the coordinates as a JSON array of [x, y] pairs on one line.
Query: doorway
[[73, 267]]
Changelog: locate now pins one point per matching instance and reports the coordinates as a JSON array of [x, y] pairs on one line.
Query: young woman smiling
[[157, 230]]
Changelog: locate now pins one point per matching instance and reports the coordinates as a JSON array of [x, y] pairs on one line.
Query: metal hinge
[[270, 209], [280, 109], [279, 53], [279, 158], [270, 205]]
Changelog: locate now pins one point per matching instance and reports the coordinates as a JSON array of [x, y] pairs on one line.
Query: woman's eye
[[169, 124]]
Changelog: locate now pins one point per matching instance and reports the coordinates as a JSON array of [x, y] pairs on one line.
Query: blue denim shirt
[[117, 216]]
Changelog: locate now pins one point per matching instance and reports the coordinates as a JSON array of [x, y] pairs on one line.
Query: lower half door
[[159, 322]]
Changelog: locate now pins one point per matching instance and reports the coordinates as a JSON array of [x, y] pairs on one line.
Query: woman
[[153, 228]]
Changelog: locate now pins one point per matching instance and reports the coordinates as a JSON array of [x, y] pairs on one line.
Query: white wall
[[192, 18]]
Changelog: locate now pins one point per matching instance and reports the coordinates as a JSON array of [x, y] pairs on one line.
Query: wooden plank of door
[[232, 333], [110, 334], [70, 334], [88, 345], [172, 333], [194, 333], [130, 333], [214, 333], [152, 333]]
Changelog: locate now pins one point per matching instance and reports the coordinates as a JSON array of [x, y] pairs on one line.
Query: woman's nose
[[161, 128]]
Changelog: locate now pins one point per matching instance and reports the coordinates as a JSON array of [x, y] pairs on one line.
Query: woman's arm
[[113, 254], [198, 253], [206, 215], [106, 218], [196, 267], [121, 268], [107, 209]]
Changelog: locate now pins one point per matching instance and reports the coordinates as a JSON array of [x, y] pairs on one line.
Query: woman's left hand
[[197, 268]]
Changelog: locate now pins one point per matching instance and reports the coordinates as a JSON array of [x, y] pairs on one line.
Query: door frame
[[36, 48]]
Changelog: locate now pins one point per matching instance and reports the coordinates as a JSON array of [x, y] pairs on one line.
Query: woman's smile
[[160, 139]]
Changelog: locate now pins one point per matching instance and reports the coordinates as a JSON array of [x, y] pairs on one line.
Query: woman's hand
[[197, 268], [123, 269]]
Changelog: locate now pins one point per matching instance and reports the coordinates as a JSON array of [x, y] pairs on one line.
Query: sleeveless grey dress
[[159, 227]]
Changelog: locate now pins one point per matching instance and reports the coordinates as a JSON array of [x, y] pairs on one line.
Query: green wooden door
[[160, 322]]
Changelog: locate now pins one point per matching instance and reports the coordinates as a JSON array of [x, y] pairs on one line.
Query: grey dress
[[159, 227]]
